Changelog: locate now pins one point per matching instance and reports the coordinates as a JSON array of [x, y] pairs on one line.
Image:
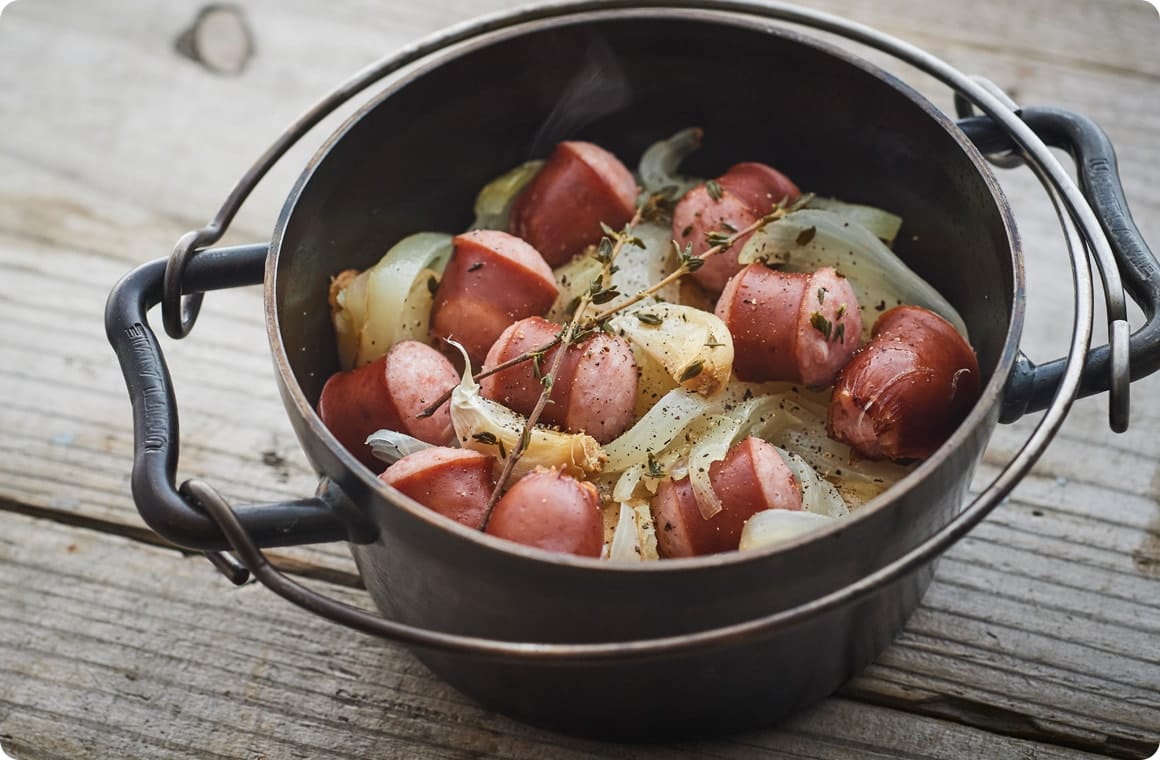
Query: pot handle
[[155, 424], [1031, 386]]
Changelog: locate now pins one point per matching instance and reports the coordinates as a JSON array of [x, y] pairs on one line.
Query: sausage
[[751, 478], [390, 392], [594, 392], [492, 280], [796, 327], [560, 210], [759, 186], [904, 394], [695, 216], [550, 510], [748, 191], [456, 483]]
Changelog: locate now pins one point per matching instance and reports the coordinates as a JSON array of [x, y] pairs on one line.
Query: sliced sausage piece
[[697, 215], [594, 392], [492, 280], [904, 394], [759, 186], [456, 483], [741, 196], [829, 327], [390, 392], [559, 212], [790, 326], [550, 510], [751, 478]]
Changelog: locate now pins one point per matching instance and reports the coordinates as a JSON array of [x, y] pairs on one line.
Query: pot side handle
[[155, 424], [1031, 387]]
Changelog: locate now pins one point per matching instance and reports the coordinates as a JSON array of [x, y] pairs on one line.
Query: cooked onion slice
[[658, 165], [792, 422], [653, 433], [777, 526], [493, 205], [625, 543], [637, 269], [807, 240], [634, 537], [818, 495], [390, 302], [711, 446], [882, 224]]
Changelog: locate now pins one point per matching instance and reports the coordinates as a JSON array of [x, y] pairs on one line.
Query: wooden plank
[[111, 648]]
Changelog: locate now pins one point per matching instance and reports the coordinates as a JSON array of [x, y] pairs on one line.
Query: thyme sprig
[[536, 353], [691, 263]]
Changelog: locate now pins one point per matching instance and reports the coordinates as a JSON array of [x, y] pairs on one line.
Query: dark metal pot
[[656, 650]]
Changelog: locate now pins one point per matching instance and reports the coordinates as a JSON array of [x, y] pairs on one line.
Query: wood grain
[[116, 649], [1039, 638]]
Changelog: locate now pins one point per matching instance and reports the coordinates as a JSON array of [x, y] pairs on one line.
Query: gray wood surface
[[1039, 638]]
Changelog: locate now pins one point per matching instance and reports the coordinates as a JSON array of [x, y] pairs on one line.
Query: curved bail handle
[[1057, 183], [1031, 386], [155, 420]]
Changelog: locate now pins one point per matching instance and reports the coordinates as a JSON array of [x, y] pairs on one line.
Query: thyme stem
[[525, 356], [566, 337], [779, 211]]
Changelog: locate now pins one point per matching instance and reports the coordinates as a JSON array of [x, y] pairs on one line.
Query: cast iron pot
[[680, 647]]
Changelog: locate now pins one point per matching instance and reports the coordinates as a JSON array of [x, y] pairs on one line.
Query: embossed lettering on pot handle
[[1031, 386]]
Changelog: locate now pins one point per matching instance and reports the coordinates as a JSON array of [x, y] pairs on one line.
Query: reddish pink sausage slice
[[829, 327], [748, 191], [456, 483], [492, 280], [904, 394], [549, 510], [759, 186], [790, 326], [695, 216], [753, 477], [389, 393], [594, 393], [560, 211]]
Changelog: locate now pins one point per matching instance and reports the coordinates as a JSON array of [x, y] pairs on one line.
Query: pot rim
[[984, 408]]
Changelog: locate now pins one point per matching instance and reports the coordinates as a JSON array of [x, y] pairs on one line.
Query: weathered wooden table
[[120, 131]]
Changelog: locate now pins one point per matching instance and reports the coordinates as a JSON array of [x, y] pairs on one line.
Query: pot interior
[[414, 158]]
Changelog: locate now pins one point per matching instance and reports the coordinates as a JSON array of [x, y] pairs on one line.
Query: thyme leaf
[[691, 371], [654, 468], [821, 324]]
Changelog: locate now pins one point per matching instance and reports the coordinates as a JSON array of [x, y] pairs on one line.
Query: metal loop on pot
[[179, 310], [1010, 159]]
